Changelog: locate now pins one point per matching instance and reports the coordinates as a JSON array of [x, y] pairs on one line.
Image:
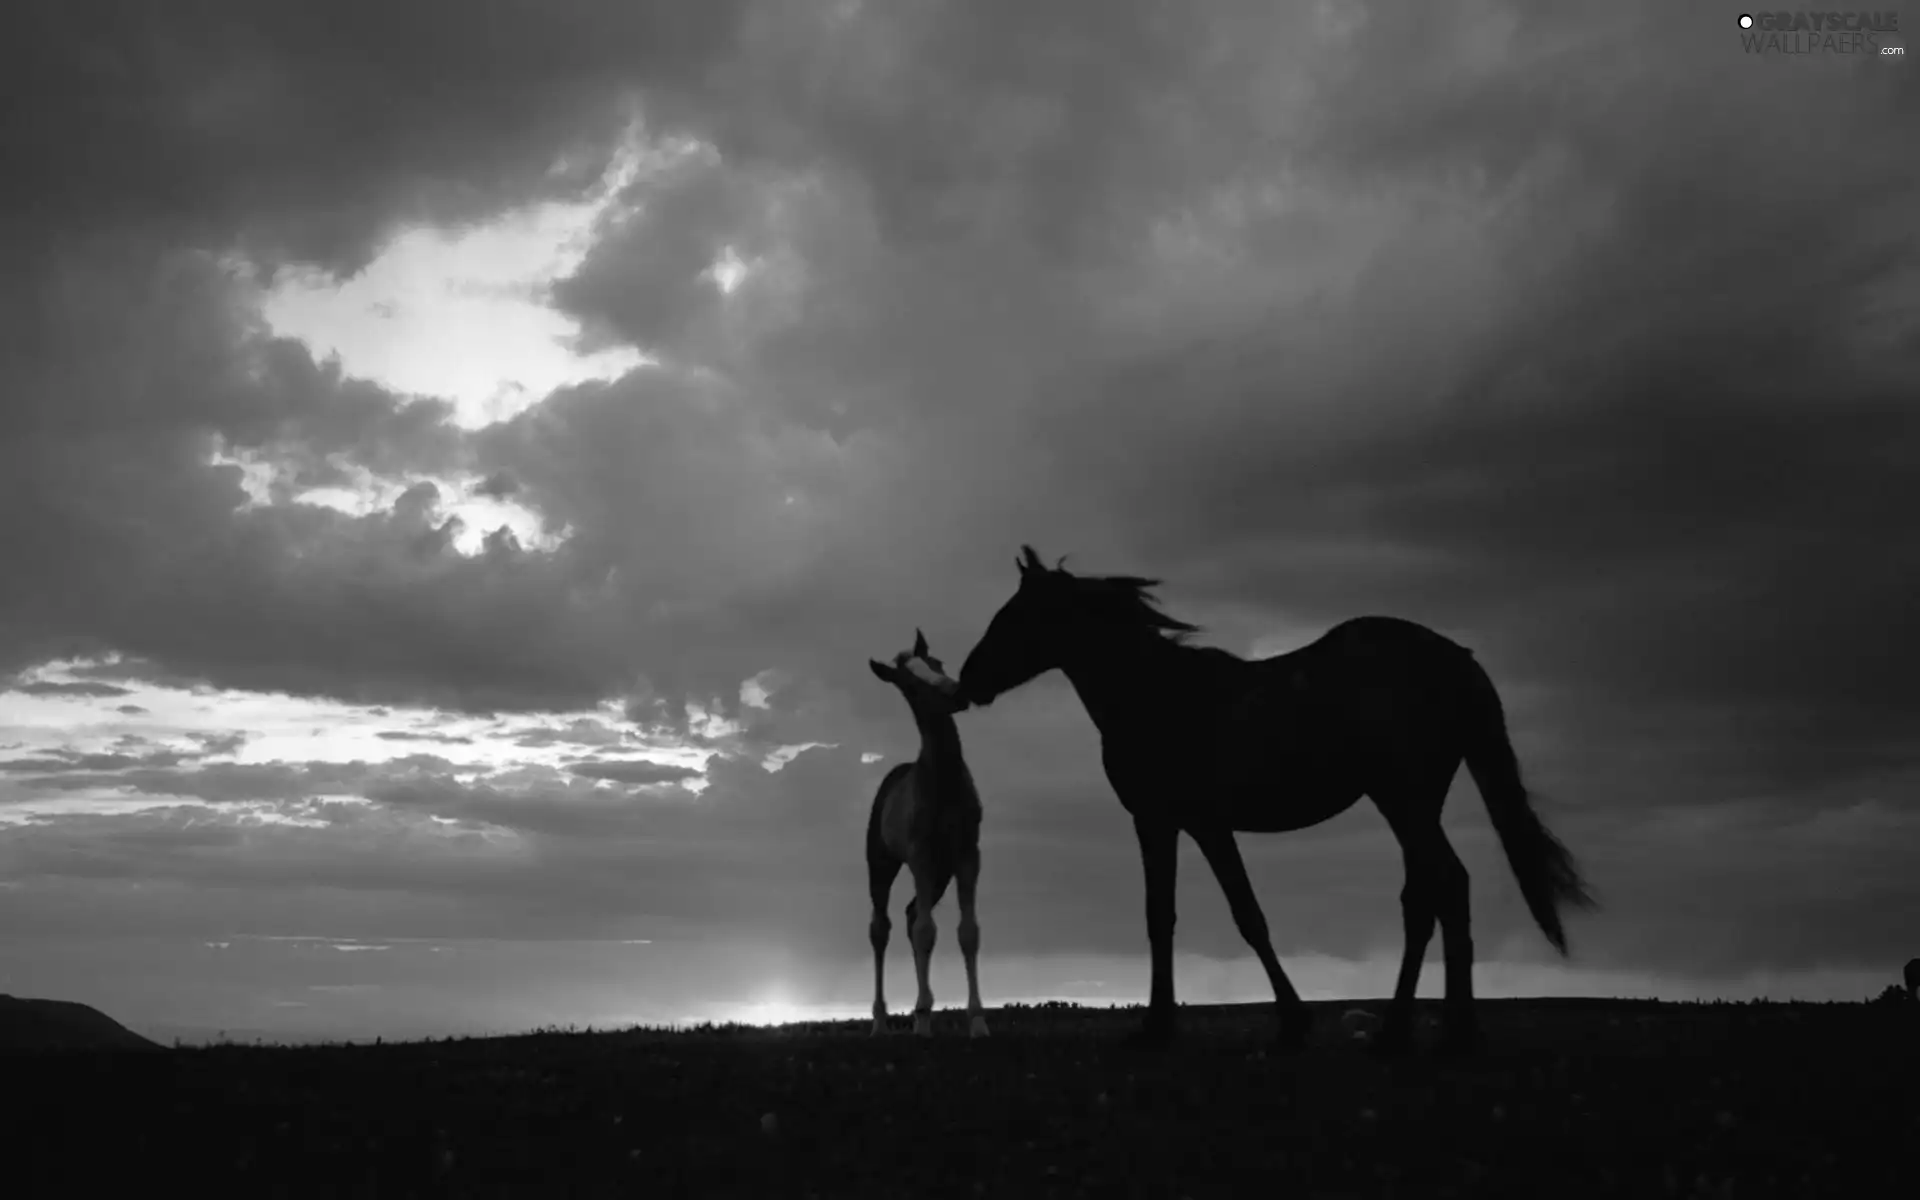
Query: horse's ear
[[882, 670], [919, 644], [1030, 561]]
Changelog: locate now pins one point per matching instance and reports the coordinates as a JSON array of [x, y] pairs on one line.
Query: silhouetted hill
[[62, 1025], [1569, 1099]]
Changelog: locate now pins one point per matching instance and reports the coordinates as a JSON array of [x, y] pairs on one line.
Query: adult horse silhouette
[[926, 817], [1200, 740]]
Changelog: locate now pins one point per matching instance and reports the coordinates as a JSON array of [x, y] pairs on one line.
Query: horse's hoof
[[977, 1027], [923, 1024], [879, 1026]]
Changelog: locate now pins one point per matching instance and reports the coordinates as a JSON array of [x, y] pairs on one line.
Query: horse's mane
[[1127, 600]]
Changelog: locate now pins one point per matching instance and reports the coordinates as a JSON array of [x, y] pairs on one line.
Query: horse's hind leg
[[1417, 916], [1223, 855], [1436, 887], [1451, 897], [881, 872], [966, 877]]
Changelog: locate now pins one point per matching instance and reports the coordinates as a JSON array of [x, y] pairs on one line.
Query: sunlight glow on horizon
[[313, 986]]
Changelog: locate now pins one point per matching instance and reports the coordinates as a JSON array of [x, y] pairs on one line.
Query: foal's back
[[919, 808]]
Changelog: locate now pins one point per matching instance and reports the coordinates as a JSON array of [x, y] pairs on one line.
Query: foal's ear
[[1029, 561], [919, 644], [882, 670]]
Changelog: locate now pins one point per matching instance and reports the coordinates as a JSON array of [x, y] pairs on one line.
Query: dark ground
[[1573, 1098]]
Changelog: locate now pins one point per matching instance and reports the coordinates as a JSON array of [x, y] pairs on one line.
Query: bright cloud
[[462, 314]]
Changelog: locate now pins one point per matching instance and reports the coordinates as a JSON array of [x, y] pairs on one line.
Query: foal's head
[[1053, 615], [922, 679]]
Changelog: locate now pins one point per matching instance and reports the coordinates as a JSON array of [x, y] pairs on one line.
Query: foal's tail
[[1544, 867]]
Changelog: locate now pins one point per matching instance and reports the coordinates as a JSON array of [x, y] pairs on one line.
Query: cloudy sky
[[456, 460]]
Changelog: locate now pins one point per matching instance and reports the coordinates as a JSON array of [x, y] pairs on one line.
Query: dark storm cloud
[[92, 691], [1666, 468], [548, 807], [307, 131], [415, 735], [1565, 328], [218, 783], [219, 743], [588, 856], [154, 138], [580, 732], [66, 760], [637, 771], [496, 486], [69, 761]]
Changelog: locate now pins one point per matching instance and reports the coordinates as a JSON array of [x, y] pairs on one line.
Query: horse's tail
[[1544, 867]]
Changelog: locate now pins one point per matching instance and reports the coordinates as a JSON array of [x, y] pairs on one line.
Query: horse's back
[[1363, 661], [1315, 725], [1383, 633]]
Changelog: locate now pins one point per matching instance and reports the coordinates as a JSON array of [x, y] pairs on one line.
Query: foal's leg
[[881, 873], [928, 886], [965, 877], [1160, 857], [1223, 855]]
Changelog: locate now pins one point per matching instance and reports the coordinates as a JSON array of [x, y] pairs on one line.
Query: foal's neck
[[939, 739]]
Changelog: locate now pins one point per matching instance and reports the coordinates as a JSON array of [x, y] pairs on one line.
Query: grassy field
[[1572, 1098]]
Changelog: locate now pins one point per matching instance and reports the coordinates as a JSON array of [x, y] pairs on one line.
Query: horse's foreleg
[[965, 879], [1160, 858], [1223, 855]]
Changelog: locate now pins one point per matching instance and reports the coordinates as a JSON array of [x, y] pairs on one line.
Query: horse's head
[[1027, 637], [1055, 615], [922, 679]]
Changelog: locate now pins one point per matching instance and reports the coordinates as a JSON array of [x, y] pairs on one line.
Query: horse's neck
[[940, 747], [1127, 680]]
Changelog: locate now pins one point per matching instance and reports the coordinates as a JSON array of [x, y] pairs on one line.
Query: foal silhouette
[[926, 817], [1199, 740]]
